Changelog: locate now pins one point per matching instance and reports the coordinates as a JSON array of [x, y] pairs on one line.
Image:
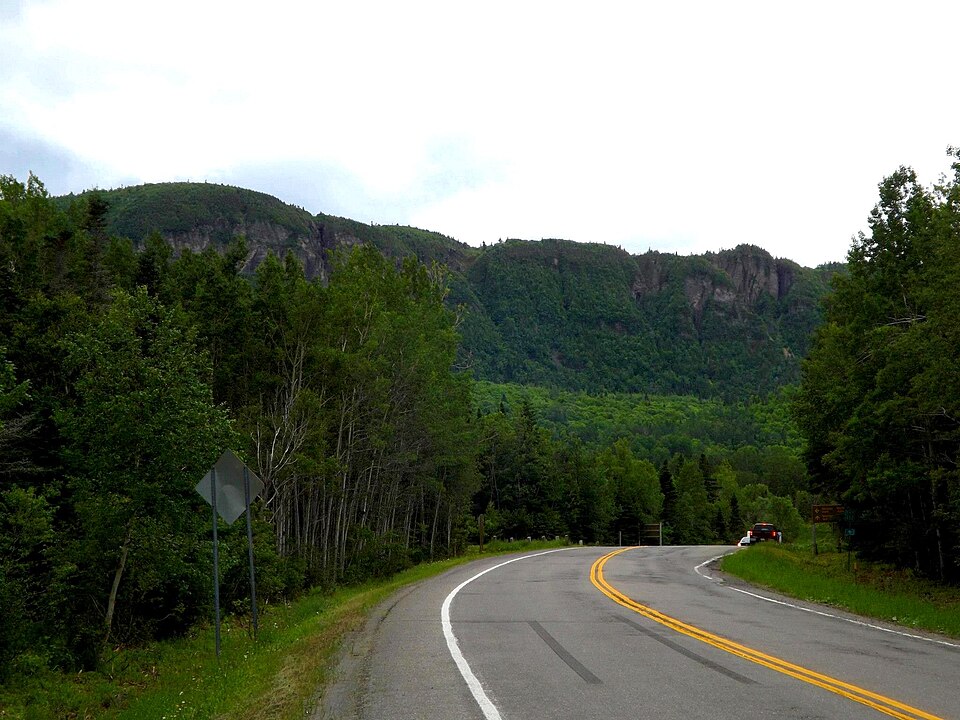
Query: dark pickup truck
[[764, 531]]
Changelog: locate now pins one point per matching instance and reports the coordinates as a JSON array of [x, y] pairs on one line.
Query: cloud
[[60, 170], [10, 10], [315, 186], [685, 126], [449, 168]]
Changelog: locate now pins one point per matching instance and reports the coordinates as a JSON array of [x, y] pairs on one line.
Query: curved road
[[638, 633]]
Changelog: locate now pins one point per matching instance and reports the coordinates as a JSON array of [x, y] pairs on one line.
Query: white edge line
[[489, 710], [861, 623]]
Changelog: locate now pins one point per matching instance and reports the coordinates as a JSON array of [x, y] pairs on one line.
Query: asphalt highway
[[648, 632]]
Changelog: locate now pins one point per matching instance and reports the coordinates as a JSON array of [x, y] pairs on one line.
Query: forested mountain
[[580, 316], [593, 317], [126, 369], [196, 216]]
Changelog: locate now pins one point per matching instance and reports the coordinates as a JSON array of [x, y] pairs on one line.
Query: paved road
[[641, 634]]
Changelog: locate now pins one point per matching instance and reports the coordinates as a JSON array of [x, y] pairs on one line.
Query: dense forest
[[656, 426], [543, 479], [879, 405], [126, 374], [592, 317], [128, 364]]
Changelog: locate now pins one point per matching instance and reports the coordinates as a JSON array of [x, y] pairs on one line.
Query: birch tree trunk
[[118, 574]]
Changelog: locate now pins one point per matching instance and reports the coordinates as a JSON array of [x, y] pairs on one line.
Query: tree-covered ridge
[[400, 241], [582, 316], [593, 317], [183, 207], [196, 216]]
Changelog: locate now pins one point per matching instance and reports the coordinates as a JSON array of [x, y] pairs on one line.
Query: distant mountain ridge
[[196, 216], [593, 317], [581, 316]]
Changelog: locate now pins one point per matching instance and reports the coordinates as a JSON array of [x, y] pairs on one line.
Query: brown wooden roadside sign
[[827, 513]]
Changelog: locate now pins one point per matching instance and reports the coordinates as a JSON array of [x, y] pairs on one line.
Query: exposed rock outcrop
[[651, 276], [754, 272], [310, 248], [745, 275]]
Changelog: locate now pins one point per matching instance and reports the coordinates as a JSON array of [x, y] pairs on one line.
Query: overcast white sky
[[679, 126]]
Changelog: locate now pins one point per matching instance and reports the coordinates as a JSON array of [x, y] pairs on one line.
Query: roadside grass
[[279, 676], [868, 589]]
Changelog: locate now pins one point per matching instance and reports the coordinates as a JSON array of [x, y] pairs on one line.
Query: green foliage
[[658, 426], [635, 488], [126, 373], [879, 401], [139, 430], [400, 241], [600, 492], [135, 212], [29, 580], [758, 504], [592, 317], [693, 516]]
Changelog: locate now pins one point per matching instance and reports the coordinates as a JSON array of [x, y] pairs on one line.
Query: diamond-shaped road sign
[[231, 501]]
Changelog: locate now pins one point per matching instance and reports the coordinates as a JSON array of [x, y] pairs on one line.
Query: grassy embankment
[[876, 591], [275, 677]]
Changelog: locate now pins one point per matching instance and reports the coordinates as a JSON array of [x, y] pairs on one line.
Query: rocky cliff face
[[590, 316], [264, 237], [651, 275], [755, 272], [733, 278]]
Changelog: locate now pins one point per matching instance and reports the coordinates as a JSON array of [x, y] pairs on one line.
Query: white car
[[745, 541]]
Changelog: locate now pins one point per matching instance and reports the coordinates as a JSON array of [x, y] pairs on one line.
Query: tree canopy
[[879, 404]]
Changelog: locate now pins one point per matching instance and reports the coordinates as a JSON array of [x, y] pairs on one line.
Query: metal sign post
[[230, 489], [253, 580], [216, 556]]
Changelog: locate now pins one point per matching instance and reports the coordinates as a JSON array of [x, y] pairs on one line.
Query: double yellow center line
[[878, 702]]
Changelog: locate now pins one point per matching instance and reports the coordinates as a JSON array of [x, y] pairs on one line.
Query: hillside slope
[[196, 216], [581, 316], [593, 317]]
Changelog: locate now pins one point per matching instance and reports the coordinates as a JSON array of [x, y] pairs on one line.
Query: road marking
[[705, 563], [878, 702], [821, 613], [489, 710]]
